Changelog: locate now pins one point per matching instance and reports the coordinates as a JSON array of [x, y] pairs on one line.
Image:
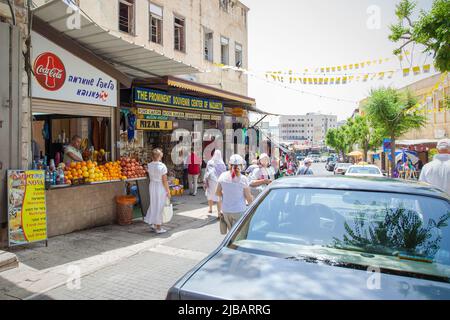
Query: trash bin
[[125, 209]]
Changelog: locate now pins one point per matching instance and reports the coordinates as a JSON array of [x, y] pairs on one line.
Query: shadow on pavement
[[93, 242]]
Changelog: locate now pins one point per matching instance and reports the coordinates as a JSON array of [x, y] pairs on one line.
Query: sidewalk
[[44, 268]]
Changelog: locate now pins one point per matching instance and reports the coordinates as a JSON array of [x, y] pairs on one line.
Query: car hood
[[237, 275]]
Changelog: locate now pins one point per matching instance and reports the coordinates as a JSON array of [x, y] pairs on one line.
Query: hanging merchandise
[[45, 131], [131, 126]]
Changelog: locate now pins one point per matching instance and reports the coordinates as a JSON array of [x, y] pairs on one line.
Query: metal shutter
[[69, 108]]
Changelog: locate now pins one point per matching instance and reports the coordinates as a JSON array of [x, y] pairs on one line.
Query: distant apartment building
[[307, 129], [201, 33], [341, 123]]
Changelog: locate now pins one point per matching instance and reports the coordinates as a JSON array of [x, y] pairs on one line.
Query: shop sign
[[161, 98], [27, 211], [192, 115], [150, 117], [165, 114], [59, 75], [237, 112], [144, 124], [216, 118], [176, 114], [149, 111]]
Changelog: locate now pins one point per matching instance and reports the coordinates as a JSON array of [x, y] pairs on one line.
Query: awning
[[193, 88], [133, 59], [416, 142]]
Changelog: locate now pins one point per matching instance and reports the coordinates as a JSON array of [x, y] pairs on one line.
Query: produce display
[[131, 168], [90, 172]]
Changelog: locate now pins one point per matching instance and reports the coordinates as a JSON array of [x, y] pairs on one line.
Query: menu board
[[27, 211]]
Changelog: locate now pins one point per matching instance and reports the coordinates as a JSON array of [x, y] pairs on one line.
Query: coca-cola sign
[[49, 71]]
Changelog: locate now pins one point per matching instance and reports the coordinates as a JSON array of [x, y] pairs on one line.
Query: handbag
[[167, 212], [222, 225]]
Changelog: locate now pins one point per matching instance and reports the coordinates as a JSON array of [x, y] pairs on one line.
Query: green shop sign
[[161, 98]]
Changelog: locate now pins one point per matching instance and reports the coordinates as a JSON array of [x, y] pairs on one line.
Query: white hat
[[236, 159], [308, 160], [264, 156], [443, 144]]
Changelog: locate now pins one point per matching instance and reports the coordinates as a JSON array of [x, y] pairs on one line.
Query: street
[[318, 169]]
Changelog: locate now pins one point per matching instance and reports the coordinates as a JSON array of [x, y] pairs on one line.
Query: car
[[323, 159], [341, 168], [364, 171], [331, 238]]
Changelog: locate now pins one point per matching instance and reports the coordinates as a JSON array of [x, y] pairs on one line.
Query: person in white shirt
[[437, 172], [233, 188], [262, 176]]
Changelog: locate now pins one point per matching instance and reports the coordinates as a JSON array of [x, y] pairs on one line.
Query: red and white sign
[[49, 71], [60, 75]]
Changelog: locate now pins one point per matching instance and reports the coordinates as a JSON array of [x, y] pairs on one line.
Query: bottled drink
[[61, 177], [54, 175], [48, 179]]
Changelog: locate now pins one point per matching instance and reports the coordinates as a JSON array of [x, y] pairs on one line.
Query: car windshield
[[364, 170], [400, 233], [343, 165]]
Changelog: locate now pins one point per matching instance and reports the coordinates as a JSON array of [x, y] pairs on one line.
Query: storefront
[[74, 98], [150, 114]]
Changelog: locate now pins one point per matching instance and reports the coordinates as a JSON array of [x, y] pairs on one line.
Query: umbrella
[[405, 155], [355, 154]]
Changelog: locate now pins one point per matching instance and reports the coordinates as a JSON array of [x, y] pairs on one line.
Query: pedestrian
[[214, 168], [262, 176], [194, 169], [437, 172], [159, 191], [233, 188], [305, 169], [252, 167]]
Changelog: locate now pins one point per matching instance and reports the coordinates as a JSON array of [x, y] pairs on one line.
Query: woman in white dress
[[159, 191], [214, 168], [262, 176]]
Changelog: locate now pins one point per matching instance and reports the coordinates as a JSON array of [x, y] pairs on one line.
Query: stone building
[[201, 33]]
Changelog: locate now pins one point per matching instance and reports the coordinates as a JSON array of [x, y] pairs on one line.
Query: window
[[126, 16], [156, 23], [208, 49], [224, 4], [179, 36], [238, 55], [224, 48]]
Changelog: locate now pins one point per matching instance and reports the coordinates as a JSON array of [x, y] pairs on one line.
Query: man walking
[[305, 169], [194, 167], [437, 172]]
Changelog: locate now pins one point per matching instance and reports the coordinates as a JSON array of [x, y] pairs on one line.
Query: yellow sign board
[[27, 210], [155, 125]]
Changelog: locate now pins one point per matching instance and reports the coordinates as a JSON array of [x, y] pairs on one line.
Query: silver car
[[331, 238]]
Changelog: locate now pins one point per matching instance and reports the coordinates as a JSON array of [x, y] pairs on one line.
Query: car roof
[[346, 163], [375, 184], [364, 166]]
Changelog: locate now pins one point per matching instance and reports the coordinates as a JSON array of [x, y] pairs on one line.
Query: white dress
[[210, 176], [158, 194]]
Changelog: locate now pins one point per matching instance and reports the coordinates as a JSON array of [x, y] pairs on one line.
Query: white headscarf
[[216, 163]]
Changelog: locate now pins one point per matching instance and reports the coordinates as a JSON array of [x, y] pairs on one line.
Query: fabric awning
[[136, 60], [416, 142]]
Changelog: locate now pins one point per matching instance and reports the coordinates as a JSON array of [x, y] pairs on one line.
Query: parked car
[[364, 171], [323, 159], [341, 168], [322, 238]]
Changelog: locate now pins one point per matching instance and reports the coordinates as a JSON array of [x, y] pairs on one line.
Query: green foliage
[[401, 230], [339, 139], [432, 30], [390, 112], [364, 134]]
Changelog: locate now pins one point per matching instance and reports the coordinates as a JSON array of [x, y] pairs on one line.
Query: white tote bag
[[167, 212]]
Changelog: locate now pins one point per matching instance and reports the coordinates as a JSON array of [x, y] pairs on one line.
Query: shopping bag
[[222, 225], [167, 212]]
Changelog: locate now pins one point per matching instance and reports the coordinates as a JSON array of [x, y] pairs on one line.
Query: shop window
[[179, 36], [126, 16], [224, 4], [208, 42], [156, 23], [224, 50]]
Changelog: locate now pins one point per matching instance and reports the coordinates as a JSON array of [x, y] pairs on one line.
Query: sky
[[299, 34]]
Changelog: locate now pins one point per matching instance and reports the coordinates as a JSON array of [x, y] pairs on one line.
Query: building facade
[[201, 33], [307, 129]]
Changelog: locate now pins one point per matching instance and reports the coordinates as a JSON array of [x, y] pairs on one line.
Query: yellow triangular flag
[[416, 70], [345, 67], [325, 81], [338, 80], [339, 68], [328, 69], [356, 65], [333, 69], [426, 68], [405, 72], [350, 66]]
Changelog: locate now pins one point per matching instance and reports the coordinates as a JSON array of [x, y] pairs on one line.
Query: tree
[[432, 30], [393, 114], [339, 139], [362, 133]]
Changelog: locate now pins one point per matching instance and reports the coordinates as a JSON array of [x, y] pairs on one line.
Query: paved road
[[319, 169], [147, 275]]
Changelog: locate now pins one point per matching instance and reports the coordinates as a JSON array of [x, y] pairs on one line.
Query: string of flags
[[422, 105]]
